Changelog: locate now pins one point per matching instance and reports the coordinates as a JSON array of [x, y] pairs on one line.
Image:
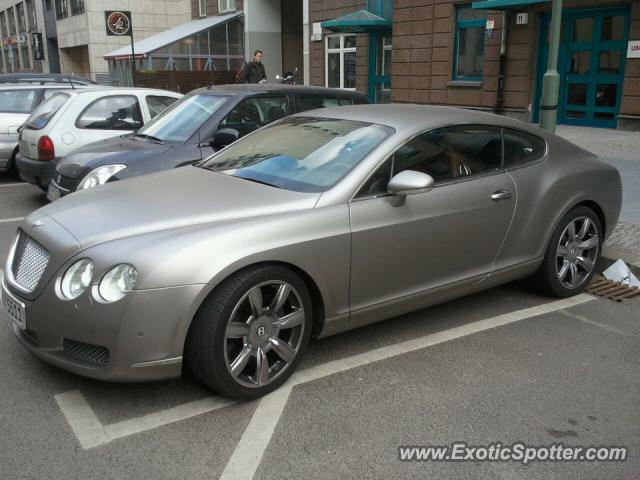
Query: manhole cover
[[615, 291]]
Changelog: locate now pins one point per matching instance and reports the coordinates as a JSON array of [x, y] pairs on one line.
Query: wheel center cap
[[261, 329], [573, 251]]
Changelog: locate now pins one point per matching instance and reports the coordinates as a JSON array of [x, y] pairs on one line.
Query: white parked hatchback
[[73, 118]]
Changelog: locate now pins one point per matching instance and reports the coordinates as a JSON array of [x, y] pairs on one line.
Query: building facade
[[23, 47], [489, 55]]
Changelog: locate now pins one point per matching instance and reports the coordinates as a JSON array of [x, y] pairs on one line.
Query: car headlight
[[76, 279], [100, 175], [117, 282]]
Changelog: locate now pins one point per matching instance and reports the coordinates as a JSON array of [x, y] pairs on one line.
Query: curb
[[615, 254]]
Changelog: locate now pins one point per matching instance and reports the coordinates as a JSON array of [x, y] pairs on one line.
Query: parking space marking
[[247, 456], [4, 185], [14, 219], [165, 417], [82, 420], [249, 451], [591, 322]]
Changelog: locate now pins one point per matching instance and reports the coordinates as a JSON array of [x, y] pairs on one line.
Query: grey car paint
[[366, 259]]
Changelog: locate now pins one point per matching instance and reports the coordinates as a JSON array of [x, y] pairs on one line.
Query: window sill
[[465, 83]]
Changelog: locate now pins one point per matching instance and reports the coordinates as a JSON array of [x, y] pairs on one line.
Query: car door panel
[[437, 238]]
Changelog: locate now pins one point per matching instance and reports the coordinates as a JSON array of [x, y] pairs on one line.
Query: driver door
[[451, 234]]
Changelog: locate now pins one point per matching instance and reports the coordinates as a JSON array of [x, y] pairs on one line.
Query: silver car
[[319, 223], [16, 104]]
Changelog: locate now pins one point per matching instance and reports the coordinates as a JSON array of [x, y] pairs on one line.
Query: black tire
[[12, 167], [206, 344], [547, 276]]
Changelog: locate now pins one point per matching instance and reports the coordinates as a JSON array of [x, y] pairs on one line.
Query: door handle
[[500, 195]]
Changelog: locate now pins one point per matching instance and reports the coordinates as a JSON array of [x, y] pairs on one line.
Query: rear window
[[311, 102], [46, 111], [17, 101]]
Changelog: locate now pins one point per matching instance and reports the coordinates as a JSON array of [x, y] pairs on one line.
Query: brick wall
[[630, 105]]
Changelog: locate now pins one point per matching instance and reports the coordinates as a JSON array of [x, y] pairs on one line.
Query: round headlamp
[[99, 176], [76, 279], [117, 282]]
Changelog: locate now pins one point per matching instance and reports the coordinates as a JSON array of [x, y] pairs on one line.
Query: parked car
[[74, 118], [45, 78], [16, 104], [319, 223], [192, 129]]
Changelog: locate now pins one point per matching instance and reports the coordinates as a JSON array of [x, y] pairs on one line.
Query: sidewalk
[[622, 150]]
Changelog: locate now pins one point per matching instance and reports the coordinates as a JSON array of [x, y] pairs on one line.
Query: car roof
[[249, 88], [39, 86], [43, 77], [106, 88], [413, 118]]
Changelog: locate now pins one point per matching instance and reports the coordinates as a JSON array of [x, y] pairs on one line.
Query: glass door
[[379, 71], [593, 67]]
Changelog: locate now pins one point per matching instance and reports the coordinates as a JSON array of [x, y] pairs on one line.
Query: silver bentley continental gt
[[319, 223]]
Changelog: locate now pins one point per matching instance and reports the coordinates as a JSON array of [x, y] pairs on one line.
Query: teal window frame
[[460, 25]]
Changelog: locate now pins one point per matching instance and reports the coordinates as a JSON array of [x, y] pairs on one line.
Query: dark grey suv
[[190, 130]]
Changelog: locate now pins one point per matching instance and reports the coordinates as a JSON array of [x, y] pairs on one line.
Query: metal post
[[133, 61], [551, 80]]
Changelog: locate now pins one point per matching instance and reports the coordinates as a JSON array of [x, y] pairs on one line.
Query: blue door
[[591, 65]]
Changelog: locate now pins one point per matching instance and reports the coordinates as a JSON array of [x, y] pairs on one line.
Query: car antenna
[[69, 78]]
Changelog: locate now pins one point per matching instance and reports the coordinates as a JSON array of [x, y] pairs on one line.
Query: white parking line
[[254, 441], [247, 456], [4, 185], [7, 220], [596, 324], [83, 421]]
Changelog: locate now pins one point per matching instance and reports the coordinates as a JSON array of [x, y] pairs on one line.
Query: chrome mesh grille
[[29, 262], [86, 352]]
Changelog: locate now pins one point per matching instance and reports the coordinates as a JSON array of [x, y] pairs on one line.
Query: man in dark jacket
[[253, 72]]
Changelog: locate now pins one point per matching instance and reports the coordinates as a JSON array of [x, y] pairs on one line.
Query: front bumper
[[6, 152], [35, 172], [139, 338]]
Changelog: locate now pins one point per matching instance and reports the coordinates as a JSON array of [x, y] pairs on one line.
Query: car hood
[[166, 200], [112, 150]]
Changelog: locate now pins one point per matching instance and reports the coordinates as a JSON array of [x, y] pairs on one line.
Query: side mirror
[[410, 182], [224, 137]]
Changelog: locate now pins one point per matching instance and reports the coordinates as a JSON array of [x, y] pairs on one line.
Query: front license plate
[[53, 193], [14, 308]]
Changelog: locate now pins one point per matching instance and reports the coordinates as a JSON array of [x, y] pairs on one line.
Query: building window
[[202, 8], [67, 8], [22, 21], [31, 14], [340, 61], [77, 7], [226, 5], [469, 46]]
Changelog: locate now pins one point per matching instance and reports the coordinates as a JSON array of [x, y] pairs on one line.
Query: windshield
[[45, 111], [17, 101], [303, 154], [181, 120]]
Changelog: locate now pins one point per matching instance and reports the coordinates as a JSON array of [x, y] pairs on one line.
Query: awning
[[357, 22], [504, 4], [162, 39]]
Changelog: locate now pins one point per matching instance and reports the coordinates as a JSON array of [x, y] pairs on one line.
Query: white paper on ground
[[620, 272]]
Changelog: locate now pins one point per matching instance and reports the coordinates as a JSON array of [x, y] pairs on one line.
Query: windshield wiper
[[149, 137], [260, 181]]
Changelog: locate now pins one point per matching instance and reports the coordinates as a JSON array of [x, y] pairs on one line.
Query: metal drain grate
[[615, 291]]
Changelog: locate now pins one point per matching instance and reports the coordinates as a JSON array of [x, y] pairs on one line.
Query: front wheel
[[249, 335], [574, 249]]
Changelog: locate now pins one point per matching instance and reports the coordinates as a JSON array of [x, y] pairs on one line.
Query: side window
[[112, 113], [310, 102], [521, 148], [452, 152], [157, 103], [254, 112], [47, 94], [445, 154]]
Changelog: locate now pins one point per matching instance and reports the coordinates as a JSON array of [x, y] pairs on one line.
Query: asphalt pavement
[[505, 365]]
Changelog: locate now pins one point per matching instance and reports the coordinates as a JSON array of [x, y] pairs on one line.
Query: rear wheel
[[12, 167], [574, 249], [249, 335]]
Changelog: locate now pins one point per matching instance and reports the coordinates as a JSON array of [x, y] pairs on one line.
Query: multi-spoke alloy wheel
[[572, 253], [250, 333], [264, 333], [577, 252]]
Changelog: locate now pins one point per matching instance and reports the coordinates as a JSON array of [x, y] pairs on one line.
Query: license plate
[[24, 148], [14, 308], [53, 193]]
